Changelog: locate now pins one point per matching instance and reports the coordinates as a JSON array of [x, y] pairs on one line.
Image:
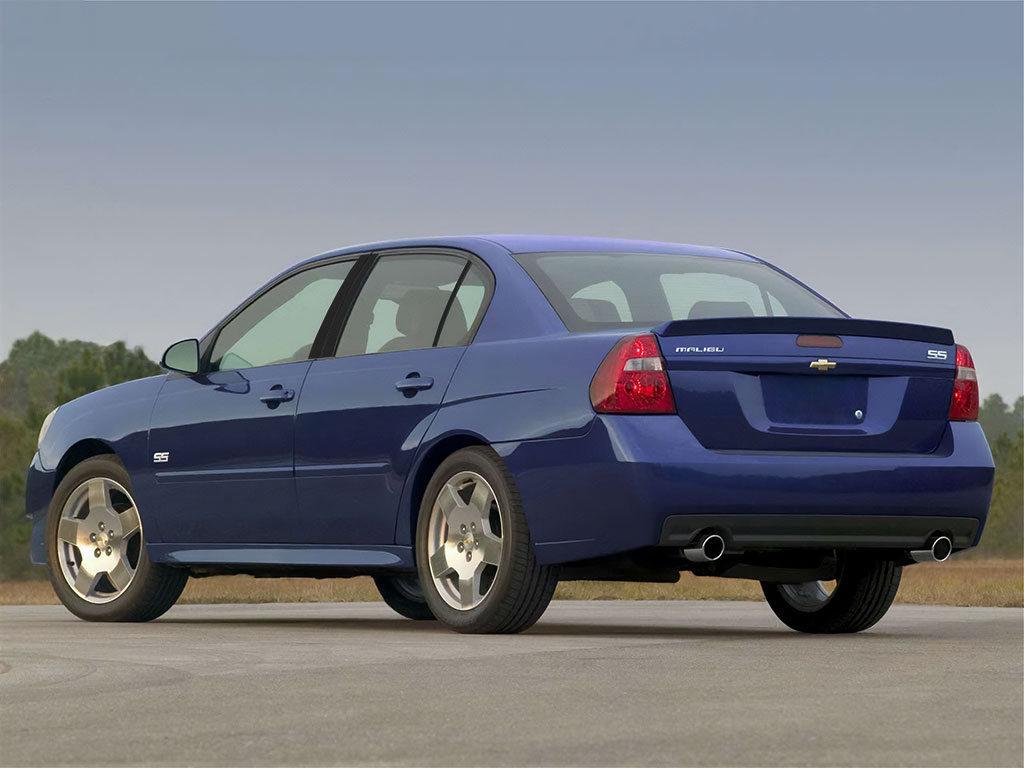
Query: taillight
[[632, 379], [964, 404]]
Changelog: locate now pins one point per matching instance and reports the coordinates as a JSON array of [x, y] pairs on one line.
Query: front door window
[[280, 325]]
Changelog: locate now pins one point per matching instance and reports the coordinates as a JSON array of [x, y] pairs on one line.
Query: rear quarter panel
[[524, 377], [508, 392]]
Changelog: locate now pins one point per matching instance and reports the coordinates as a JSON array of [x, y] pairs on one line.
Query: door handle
[[277, 395], [414, 384]]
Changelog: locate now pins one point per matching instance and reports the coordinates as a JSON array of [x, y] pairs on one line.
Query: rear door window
[[466, 310], [401, 305]]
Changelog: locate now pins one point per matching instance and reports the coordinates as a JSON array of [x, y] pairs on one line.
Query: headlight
[[46, 425]]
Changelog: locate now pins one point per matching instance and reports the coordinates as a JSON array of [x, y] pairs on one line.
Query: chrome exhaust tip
[[706, 550], [939, 551]]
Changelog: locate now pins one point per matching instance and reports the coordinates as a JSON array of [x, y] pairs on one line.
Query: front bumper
[[639, 481], [38, 493]]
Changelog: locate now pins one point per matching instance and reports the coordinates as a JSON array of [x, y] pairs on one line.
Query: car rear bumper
[[639, 481], [761, 532]]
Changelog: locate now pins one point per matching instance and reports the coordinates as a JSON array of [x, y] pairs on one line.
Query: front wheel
[[96, 552], [863, 591], [473, 550]]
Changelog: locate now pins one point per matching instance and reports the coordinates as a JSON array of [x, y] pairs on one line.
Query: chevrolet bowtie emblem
[[822, 365]]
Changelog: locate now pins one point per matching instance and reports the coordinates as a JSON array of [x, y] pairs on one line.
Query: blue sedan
[[471, 419]]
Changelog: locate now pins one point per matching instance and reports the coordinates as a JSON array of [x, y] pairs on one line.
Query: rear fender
[[507, 392]]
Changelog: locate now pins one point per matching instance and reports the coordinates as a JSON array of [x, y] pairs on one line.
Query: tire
[[404, 596], [106, 574], [865, 588], [508, 589]]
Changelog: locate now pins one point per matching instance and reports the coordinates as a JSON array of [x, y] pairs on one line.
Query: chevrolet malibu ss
[[470, 419]]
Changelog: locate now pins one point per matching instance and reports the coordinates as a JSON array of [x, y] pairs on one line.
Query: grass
[[958, 582]]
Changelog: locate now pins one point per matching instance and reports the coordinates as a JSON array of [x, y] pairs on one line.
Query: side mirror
[[182, 356]]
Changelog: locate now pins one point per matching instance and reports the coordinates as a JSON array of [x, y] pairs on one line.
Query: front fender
[[117, 416]]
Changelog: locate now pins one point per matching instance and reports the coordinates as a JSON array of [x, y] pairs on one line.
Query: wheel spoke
[[469, 590], [439, 563], [481, 499], [120, 575], [448, 500], [129, 522], [99, 494], [67, 530], [489, 547], [85, 582]]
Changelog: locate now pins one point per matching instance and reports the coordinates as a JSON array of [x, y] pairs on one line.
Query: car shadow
[[688, 632], [542, 629], [334, 622]]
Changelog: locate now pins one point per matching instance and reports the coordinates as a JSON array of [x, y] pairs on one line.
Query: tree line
[[40, 373]]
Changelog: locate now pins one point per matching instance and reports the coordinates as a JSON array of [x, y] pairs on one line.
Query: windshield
[[593, 291]]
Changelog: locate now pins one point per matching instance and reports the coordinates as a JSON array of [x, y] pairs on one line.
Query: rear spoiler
[[826, 326]]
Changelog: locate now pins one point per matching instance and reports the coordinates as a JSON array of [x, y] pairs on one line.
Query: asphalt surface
[[597, 683]]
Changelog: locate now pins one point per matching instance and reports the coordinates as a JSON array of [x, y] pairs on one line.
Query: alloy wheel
[[99, 540], [464, 540], [809, 595]]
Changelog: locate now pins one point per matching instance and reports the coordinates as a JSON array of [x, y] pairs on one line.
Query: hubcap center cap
[[103, 530]]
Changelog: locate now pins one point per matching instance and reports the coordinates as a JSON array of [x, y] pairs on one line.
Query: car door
[[223, 438], [364, 410]]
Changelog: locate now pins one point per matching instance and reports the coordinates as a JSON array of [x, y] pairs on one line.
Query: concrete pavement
[[595, 683]]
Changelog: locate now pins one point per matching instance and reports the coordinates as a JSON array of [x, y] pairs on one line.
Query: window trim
[[338, 315], [451, 300]]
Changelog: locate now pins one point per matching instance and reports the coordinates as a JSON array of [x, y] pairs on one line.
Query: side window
[[280, 325], [601, 303], [466, 309], [695, 295], [401, 304]]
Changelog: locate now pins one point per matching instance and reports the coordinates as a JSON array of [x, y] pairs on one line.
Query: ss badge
[[161, 457]]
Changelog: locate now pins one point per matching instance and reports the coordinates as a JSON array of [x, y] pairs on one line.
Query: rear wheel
[[473, 550], [404, 595], [863, 591], [96, 552]]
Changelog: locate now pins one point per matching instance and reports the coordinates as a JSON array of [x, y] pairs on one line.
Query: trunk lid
[[810, 384]]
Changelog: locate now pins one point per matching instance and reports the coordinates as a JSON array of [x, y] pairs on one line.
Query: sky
[[158, 162]]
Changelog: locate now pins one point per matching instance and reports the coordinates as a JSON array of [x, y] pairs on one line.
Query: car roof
[[551, 243], [547, 243]]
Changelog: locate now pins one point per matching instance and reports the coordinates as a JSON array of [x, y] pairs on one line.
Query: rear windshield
[[609, 290]]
